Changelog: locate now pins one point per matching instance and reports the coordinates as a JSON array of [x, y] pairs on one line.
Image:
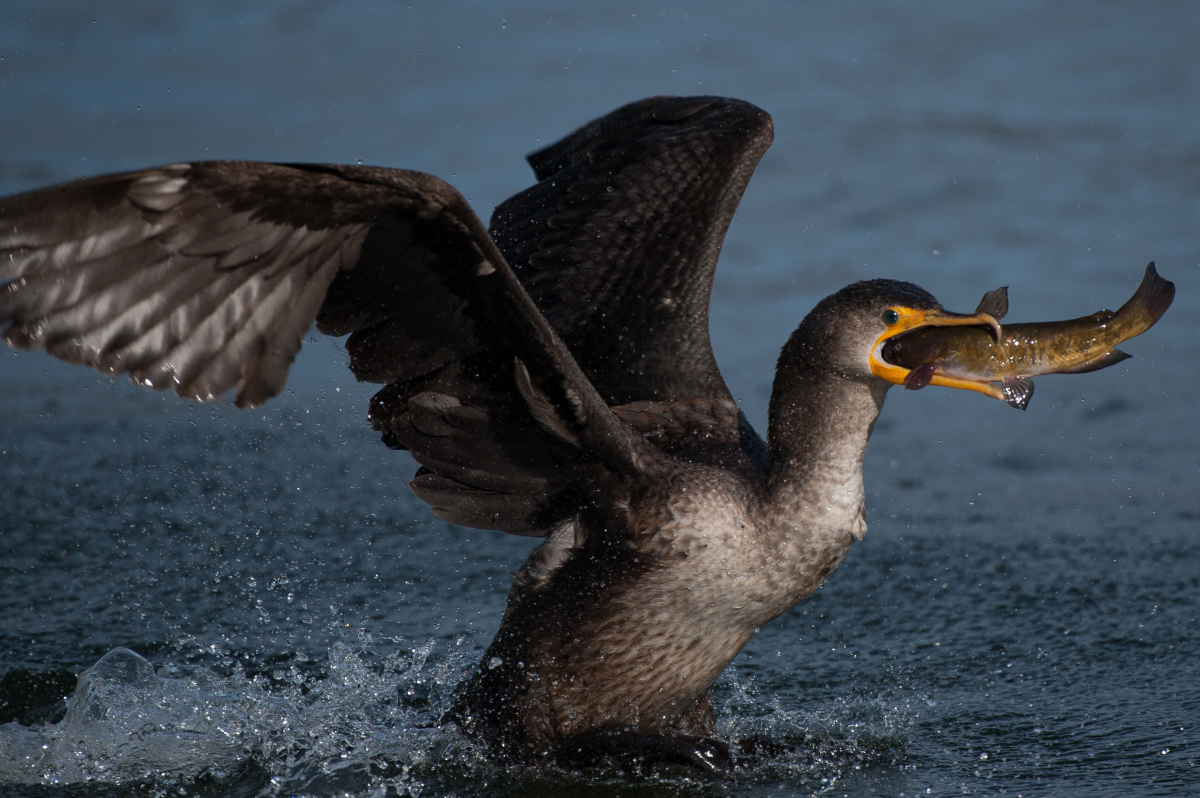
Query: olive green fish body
[[1028, 350], [1024, 350]]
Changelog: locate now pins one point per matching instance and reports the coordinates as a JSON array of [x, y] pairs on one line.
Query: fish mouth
[[910, 319]]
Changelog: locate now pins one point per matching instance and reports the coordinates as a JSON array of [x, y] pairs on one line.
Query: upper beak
[[911, 319]]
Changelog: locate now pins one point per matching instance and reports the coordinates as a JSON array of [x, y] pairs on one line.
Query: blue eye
[[890, 317]]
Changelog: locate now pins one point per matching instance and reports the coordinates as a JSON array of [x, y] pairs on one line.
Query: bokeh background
[[1022, 616]]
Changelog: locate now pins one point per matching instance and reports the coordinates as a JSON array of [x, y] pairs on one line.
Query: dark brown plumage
[[553, 376]]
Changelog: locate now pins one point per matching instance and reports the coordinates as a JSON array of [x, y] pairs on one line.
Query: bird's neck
[[819, 424]]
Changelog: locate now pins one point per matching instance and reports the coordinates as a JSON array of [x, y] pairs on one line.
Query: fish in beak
[[901, 320], [980, 357]]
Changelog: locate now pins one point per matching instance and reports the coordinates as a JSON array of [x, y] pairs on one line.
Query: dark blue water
[[1022, 618]]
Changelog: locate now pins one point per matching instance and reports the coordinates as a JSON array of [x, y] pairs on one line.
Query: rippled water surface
[[202, 600]]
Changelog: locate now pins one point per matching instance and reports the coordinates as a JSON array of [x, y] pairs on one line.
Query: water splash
[[365, 723], [126, 724], [815, 747]]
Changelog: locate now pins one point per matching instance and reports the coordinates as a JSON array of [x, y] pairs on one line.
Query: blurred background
[[1023, 612]]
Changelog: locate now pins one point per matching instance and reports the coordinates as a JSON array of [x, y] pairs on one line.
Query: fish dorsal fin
[[1017, 391], [994, 302], [1109, 358]]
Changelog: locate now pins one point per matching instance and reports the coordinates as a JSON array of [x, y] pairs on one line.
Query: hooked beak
[[912, 319]]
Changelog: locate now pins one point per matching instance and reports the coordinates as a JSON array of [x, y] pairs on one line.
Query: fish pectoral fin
[[919, 377], [994, 302], [1103, 361], [1017, 391]]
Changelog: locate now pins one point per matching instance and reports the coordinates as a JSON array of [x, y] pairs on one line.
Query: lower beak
[[911, 319]]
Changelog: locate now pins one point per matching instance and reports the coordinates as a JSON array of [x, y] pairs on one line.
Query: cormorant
[[552, 375]]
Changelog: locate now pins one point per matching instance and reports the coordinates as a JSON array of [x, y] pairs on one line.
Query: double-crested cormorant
[[552, 375]]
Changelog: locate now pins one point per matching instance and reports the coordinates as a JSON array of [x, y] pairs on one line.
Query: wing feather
[[205, 277], [618, 241]]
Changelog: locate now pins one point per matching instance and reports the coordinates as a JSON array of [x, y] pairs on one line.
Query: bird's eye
[[890, 317]]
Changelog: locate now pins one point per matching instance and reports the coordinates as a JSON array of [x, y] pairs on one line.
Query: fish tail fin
[[1152, 298], [1017, 391], [1109, 358]]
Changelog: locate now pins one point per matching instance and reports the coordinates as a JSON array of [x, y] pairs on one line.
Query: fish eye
[[890, 317]]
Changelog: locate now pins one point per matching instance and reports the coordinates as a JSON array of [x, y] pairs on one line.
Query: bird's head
[[846, 332]]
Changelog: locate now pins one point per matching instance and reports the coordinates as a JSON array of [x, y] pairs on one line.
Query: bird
[[551, 374]]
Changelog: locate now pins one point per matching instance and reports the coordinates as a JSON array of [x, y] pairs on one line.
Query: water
[[1022, 616]]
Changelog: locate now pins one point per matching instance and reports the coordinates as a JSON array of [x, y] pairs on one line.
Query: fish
[[1002, 365]]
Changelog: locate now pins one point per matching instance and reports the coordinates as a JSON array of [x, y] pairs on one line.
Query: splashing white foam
[[363, 726], [367, 725]]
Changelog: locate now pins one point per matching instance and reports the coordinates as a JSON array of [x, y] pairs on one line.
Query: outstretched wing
[[205, 277], [618, 241]]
